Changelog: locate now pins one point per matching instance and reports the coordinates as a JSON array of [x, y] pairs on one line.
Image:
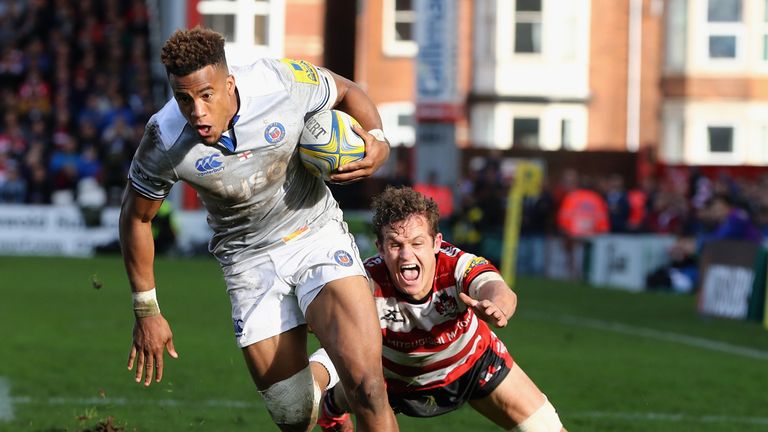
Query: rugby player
[[278, 233], [433, 301]]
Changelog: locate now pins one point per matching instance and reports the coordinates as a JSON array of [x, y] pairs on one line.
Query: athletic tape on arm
[[480, 280]]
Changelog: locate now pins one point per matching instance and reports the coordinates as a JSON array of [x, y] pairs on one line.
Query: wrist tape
[[378, 134], [145, 304]]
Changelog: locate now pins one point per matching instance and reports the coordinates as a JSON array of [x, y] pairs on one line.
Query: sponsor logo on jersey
[[238, 326], [274, 132], [450, 251], [303, 72], [446, 305], [393, 315], [343, 258], [209, 165], [476, 261]]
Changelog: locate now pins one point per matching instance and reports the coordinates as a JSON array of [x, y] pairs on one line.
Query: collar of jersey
[[228, 138]]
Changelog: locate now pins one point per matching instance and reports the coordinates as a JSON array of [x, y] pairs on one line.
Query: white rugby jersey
[[430, 343], [257, 193]]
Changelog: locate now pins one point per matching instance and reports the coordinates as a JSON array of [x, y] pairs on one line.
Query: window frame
[[390, 18], [528, 17], [736, 29], [245, 12]]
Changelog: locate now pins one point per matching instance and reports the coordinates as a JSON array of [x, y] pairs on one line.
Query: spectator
[[618, 203], [720, 220], [13, 189]]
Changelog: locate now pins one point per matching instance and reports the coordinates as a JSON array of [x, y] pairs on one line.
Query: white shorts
[[272, 296]]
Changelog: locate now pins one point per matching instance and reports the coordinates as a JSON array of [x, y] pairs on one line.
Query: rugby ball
[[328, 142]]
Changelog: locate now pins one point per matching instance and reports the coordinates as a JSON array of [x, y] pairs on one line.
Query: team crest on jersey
[[209, 164], [274, 132], [303, 72], [476, 261], [446, 305], [343, 258]]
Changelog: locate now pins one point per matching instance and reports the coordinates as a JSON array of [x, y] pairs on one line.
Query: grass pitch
[[608, 360]]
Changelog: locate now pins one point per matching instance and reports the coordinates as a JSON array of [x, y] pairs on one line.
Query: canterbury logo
[[208, 163]]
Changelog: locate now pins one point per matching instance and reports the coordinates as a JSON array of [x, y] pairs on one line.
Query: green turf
[[64, 347]]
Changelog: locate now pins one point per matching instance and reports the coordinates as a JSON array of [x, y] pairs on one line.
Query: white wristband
[[145, 304], [378, 134]]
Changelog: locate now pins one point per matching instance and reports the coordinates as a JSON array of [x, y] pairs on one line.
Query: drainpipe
[[634, 67]]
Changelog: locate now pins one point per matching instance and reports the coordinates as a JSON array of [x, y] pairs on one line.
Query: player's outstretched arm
[[491, 299], [355, 102], [151, 332]]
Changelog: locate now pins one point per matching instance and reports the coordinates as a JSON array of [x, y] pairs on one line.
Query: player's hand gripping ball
[[328, 142]]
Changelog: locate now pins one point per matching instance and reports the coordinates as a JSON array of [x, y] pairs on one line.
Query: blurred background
[[646, 120], [614, 143]]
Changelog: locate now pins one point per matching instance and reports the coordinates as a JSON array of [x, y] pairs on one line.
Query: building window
[[404, 20], [525, 132], [724, 11], [260, 34], [720, 139], [244, 22], [399, 19], [528, 19], [566, 134], [222, 23], [765, 29], [724, 24], [399, 123], [722, 47]]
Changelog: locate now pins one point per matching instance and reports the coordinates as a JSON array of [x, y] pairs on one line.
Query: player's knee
[[545, 419], [367, 391], [293, 402]]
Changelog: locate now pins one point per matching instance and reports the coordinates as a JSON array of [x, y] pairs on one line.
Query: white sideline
[[223, 403], [6, 403], [651, 334], [669, 417], [107, 401]]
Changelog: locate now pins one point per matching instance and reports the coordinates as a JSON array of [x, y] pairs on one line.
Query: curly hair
[[187, 51], [397, 204]]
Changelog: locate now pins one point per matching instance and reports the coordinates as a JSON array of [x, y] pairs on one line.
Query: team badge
[[343, 258], [274, 132], [446, 305]]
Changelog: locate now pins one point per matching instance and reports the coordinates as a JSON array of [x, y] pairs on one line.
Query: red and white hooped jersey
[[432, 342]]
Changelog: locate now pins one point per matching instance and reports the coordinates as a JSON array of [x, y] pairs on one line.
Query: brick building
[[685, 78]]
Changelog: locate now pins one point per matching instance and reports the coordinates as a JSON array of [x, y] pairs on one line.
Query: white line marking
[[652, 334], [210, 403], [223, 403], [6, 402], [669, 417]]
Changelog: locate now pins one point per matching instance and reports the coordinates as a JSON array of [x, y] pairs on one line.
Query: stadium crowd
[[75, 92]]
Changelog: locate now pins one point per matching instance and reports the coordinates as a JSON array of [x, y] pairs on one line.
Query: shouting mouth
[[410, 272]]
